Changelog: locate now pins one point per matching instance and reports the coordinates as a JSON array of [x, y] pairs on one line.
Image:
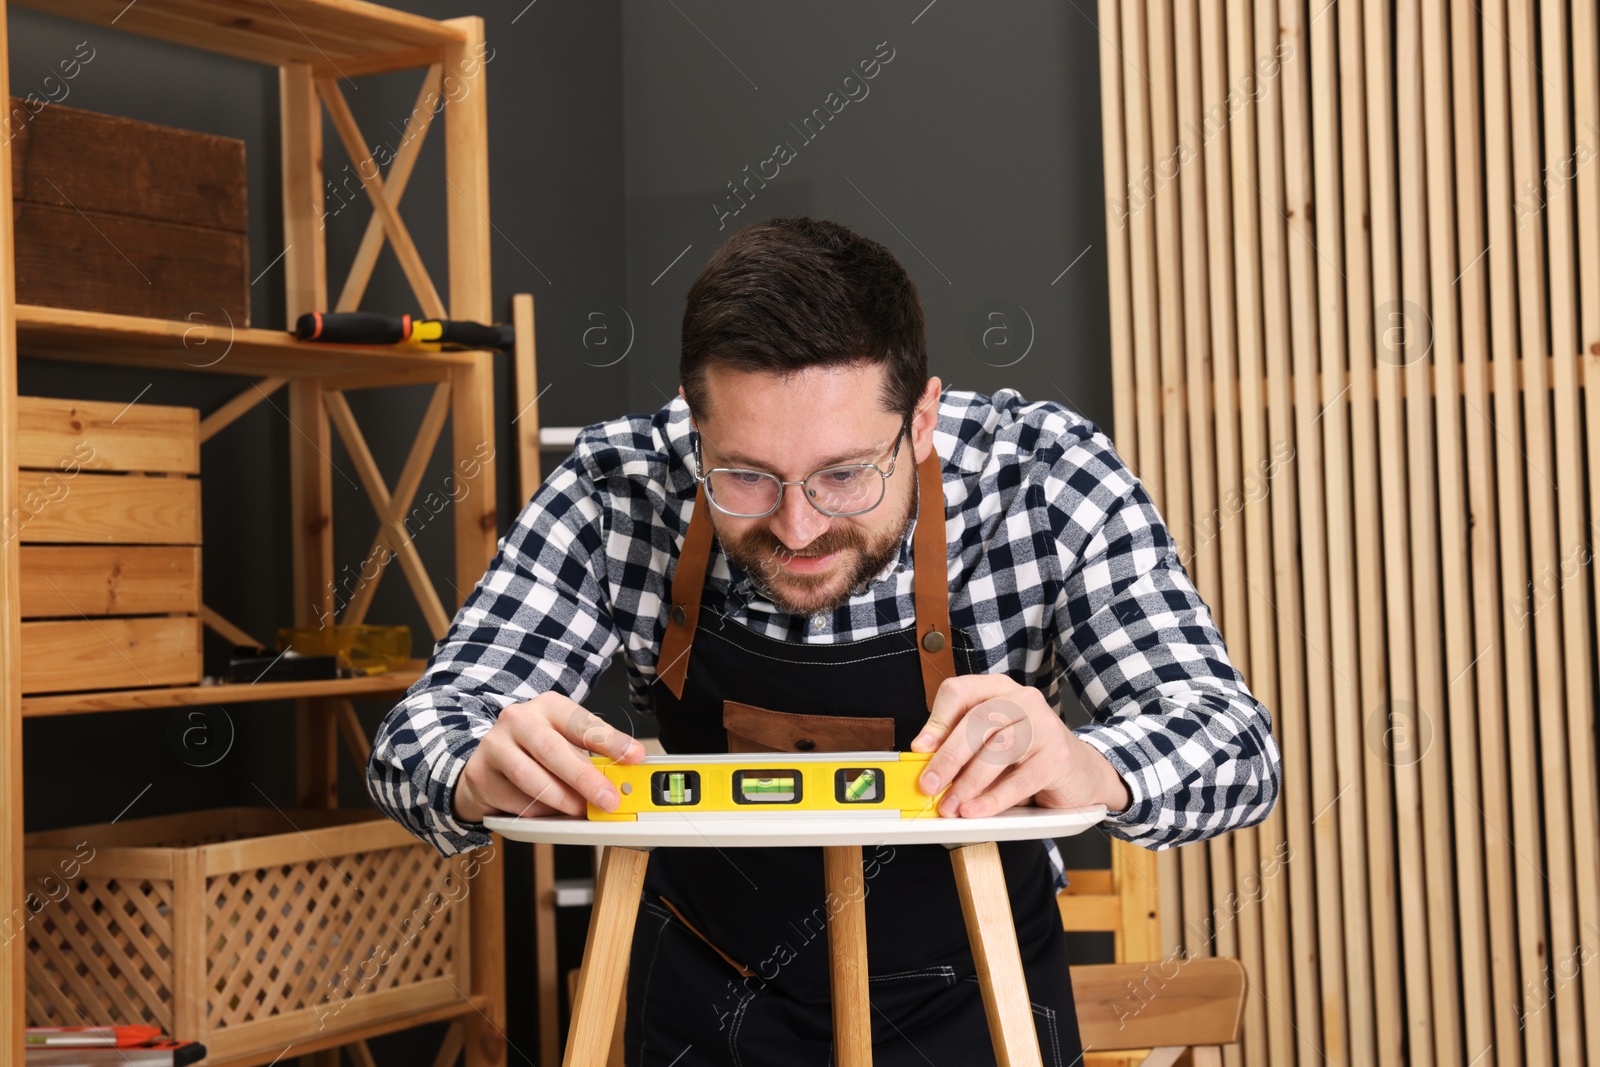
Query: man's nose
[[796, 523]]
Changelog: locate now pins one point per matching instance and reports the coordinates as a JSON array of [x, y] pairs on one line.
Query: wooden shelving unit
[[316, 45], [172, 344], [393, 683]]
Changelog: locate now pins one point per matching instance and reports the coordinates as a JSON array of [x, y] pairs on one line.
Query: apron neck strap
[[931, 584], [931, 578], [672, 667]]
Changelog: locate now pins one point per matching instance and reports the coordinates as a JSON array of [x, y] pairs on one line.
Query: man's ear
[[691, 413], [925, 418]]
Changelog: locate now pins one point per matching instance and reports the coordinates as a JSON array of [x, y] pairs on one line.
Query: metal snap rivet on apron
[[805, 745], [933, 640], [678, 614]]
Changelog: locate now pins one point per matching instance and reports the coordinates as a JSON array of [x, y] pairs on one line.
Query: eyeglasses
[[851, 489]]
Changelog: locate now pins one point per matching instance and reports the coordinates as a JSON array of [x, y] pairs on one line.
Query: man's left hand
[[1001, 744]]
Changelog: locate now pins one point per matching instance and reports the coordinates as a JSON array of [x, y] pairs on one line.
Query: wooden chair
[[1120, 901], [1184, 1011]]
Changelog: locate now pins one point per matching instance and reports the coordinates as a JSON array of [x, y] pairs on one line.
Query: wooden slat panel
[[1571, 719], [66, 435], [67, 656], [1147, 426], [73, 580], [1345, 812], [1117, 245], [1232, 857], [109, 509], [1399, 716], [1218, 525], [1461, 976], [1283, 597], [1429, 764], [1544, 551], [1413, 299], [1142, 242], [1511, 477], [1483, 792], [1372, 620], [1258, 850], [1176, 177], [1202, 550], [1581, 716], [1307, 264]]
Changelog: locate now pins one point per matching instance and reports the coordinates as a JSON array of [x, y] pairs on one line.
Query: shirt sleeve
[[537, 621], [1140, 649]]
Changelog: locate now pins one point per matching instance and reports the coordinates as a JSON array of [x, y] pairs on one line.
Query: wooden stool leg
[[847, 954], [605, 956], [982, 884]]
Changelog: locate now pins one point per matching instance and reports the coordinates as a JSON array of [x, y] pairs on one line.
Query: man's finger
[[988, 719], [951, 702], [537, 784], [1016, 787], [976, 775], [551, 750], [592, 733]]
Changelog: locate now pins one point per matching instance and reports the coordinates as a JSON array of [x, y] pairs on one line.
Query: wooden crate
[[128, 217], [96, 580], [110, 562], [244, 929]]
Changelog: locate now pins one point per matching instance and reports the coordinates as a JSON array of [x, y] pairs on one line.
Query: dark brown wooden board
[[93, 162], [127, 217], [95, 261]]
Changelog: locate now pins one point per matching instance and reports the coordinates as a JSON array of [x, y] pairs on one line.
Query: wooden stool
[[980, 881]]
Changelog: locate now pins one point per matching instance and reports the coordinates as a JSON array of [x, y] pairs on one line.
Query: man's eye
[[841, 477], [748, 478]]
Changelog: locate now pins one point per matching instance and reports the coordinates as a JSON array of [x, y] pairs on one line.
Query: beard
[[861, 556]]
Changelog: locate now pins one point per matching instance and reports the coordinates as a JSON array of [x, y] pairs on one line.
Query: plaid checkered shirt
[[1059, 565]]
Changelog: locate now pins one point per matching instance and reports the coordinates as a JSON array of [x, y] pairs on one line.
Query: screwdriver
[[434, 335]]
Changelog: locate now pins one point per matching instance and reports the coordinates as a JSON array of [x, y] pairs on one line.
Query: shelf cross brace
[[392, 539], [394, 187], [384, 209]]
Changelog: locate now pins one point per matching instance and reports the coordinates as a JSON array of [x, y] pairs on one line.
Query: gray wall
[[615, 130], [973, 155]]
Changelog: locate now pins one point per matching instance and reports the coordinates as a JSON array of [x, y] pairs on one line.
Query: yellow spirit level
[[865, 783]]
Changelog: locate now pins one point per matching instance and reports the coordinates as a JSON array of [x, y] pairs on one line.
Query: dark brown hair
[[791, 293]]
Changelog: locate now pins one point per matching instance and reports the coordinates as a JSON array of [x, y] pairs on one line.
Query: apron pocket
[[744, 972], [753, 729], [685, 1004]]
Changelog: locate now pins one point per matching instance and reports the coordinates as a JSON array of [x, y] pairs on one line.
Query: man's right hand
[[535, 761]]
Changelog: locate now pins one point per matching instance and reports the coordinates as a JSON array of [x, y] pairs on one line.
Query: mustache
[[764, 544]]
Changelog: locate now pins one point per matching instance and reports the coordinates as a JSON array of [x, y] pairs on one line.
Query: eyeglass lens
[[836, 490]]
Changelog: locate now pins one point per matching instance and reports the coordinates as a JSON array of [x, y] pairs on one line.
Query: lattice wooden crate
[[244, 929]]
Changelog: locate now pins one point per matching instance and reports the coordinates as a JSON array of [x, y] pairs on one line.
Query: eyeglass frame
[[703, 477]]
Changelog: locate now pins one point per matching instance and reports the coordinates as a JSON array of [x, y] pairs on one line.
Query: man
[[815, 548]]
